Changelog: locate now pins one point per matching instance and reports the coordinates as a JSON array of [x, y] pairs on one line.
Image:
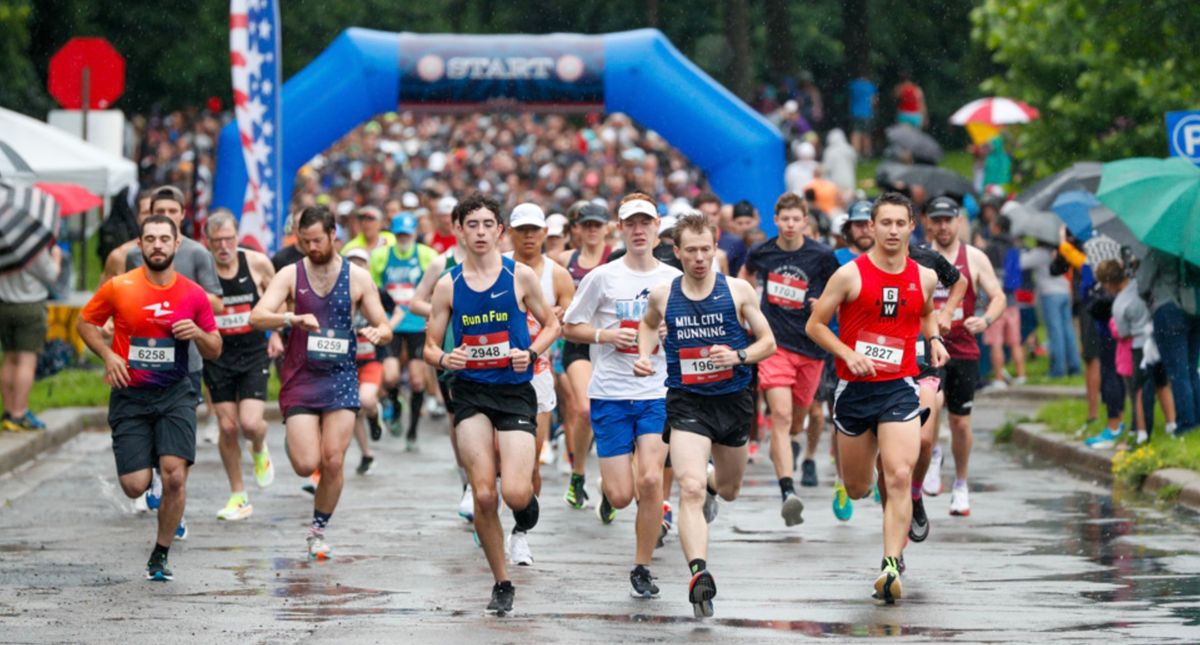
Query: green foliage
[[1102, 73], [21, 86], [1170, 492], [69, 388], [1004, 433]]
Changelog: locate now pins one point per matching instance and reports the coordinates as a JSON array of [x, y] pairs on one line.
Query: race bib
[[695, 367], [365, 350], [152, 353], [920, 349], [401, 293], [786, 291], [634, 325], [234, 320], [886, 352], [535, 328], [329, 344], [487, 351]]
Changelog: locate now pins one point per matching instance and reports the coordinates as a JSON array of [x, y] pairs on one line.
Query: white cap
[[556, 225], [527, 214], [446, 205], [410, 200], [437, 161], [679, 207], [677, 177], [359, 253], [345, 207], [631, 208], [666, 224], [806, 150]]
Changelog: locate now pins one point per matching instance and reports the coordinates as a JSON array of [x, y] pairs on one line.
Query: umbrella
[[1101, 248], [1160, 201], [994, 111], [1072, 205], [71, 198], [922, 147], [1041, 225], [28, 222], [936, 181], [1083, 175]]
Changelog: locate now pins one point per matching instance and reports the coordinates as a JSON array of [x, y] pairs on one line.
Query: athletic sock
[[697, 565], [416, 400], [393, 395], [527, 518], [319, 522], [960, 483], [916, 492], [577, 478], [786, 485], [159, 550]]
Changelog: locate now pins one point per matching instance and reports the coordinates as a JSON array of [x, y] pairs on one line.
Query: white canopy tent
[[57, 156]]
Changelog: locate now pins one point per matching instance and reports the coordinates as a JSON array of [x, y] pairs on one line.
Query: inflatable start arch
[[639, 73]]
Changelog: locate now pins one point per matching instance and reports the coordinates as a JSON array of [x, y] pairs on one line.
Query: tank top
[[694, 326], [535, 328], [907, 100], [884, 321], [240, 294], [960, 343], [490, 323], [577, 272], [319, 368], [400, 278]]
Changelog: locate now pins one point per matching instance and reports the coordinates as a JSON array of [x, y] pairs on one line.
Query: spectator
[[370, 236], [840, 161], [1169, 285], [1055, 295], [732, 244], [910, 102], [23, 325], [864, 98], [812, 107], [1005, 331], [800, 172]]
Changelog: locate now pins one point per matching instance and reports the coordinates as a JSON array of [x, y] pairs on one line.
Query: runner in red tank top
[[962, 370], [883, 300]]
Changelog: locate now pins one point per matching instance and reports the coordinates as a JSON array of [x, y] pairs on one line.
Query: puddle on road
[[806, 627]]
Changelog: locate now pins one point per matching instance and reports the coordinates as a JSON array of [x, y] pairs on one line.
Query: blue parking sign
[[1183, 135]]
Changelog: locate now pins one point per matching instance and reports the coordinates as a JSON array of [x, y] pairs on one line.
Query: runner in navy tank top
[[319, 393], [485, 300], [710, 406], [883, 300]]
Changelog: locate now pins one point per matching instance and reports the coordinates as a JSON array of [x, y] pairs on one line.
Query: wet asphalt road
[[1044, 556]]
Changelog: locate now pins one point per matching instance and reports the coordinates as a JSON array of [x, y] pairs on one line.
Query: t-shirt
[[286, 256], [194, 262], [735, 251], [142, 314], [360, 242], [862, 92], [790, 280], [613, 295], [1131, 315], [442, 242]]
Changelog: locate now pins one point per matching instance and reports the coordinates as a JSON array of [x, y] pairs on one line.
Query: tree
[[741, 73], [21, 89], [1102, 73]]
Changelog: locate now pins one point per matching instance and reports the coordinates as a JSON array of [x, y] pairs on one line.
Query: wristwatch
[[741, 354], [533, 356], [938, 339]]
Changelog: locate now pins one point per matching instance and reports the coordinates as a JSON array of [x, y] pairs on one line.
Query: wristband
[[597, 339], [287, 319], [938, 339], [442, 361], [988, 320]]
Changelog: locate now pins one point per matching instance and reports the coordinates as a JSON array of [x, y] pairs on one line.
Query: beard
[[159, 265], [320, 258]]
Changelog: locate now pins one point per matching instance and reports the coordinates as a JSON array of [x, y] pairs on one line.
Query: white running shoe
[[1169, 428], [211, 432], [140, 505], [564, 465], [711, 507], [466, 505], [547, 456], [933, 477], [518, 549], [960, 503], [318, 549]]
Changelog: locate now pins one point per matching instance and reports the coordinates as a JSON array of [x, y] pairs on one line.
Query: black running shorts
[[246, 378], [726, 419], [150, 422], [575, 352], [962, 375], [507, 406], [413, 342], [861, 406]]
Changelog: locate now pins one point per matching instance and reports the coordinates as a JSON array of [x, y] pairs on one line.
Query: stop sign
[[106, 71]]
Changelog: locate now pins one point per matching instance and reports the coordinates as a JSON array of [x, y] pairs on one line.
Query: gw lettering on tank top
[[702, 326], [484, 318]]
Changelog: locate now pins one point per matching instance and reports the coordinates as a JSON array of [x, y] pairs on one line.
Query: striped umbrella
[[28, 224], [994, 111]]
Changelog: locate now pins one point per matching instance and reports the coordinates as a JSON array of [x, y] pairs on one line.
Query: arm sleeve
[[99, 309], [1072, 255], [583, 305]]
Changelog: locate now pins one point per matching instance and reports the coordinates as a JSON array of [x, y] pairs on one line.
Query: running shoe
[[546, 458], [752, 452], [643, 583], [237, 508], [960, 503], [887, 585], [9, 423], [154, 493], [808, 473], [387, 411], [410, 443], [435, 408], [158, 570], [665, 528], [1142, 437], [875, 494], [181, 531], [264, 468], [211, 433], [502, 599], [24, 423], [466, 505], [932, 486], [399, 417], [375, 427], [792, 510], [1106, 439], [565, 465], [701, 590], [139, 504], [318, 549], [843, 507], [711, 508], [918, 530], [604, 510], [576, 497], [518, 549], [313, 482], [365, 465]]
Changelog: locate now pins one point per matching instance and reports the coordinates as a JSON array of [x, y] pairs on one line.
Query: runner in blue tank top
[[319, 394], [484, 301], [710, 407]]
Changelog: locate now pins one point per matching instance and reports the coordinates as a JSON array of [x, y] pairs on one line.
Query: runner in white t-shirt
[[627, 414]]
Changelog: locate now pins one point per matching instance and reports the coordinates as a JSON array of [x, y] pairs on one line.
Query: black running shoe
[[365, 465], [604, 510], [918, 530], [701, 591], [808, 473], [157, 569], [643, 583], [576, 495], [663, 530], [376, 428], [502, 599]]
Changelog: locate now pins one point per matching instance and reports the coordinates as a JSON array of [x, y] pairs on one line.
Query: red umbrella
[[994, 111], [71, 198]]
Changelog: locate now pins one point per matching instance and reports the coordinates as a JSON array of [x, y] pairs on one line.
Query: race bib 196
[[329, 344], [786, 291], [487, 351], [696, 367], [401, 293], [152, 353], [886, 352], [234, 320]]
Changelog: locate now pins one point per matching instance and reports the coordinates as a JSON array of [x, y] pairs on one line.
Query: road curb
[[18, 448], [1188, 482], [1065, 451], [1032, 394]]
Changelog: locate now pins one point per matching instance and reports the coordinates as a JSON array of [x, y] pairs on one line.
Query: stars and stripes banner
[[254, 52]]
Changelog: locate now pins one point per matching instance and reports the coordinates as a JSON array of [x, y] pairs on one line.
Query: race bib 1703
[[786, 291]]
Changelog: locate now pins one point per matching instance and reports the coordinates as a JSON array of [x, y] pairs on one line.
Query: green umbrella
[[1159, 199]]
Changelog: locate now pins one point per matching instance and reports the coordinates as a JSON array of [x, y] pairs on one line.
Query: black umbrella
[[936, 181], [1083, 175], [28, 223], [922, 147]]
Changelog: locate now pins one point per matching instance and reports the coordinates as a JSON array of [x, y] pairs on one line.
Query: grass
[[69, 388], [1004, 433], [960, 161]]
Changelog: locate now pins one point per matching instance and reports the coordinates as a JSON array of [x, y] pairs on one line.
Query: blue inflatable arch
[[639, 73]]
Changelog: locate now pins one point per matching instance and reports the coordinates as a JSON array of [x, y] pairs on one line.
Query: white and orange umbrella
[[994, 111]]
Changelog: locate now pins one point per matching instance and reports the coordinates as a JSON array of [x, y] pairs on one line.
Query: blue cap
[[404, 224], [860, 211]]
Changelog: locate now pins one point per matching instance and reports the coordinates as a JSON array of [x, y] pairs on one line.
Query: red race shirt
[[884, 321]]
